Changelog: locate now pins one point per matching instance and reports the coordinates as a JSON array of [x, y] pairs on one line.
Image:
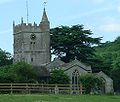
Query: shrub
[[59, 77], [90, 82]]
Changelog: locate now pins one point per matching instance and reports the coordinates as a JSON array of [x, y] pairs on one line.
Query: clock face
[[33, 36]]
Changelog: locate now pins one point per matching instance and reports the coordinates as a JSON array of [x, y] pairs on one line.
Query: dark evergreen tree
[[70, 42], [5, 58]]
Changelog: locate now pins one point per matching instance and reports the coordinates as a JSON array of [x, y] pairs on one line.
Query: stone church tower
[[32, 42]]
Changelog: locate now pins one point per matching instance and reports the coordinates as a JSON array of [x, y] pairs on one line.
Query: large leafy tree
[[73, 42], [5, 58]]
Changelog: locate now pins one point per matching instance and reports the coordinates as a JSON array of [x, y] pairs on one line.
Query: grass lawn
[[58, 98]]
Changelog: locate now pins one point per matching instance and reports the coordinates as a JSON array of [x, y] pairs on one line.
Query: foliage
[[70, 42], [102, 63], [18, 72], [90, 82], [5, 58], [24, 72], [5, 75], [115, 74], [59, 77], [107, 53]]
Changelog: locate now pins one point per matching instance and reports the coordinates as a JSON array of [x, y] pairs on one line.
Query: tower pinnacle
[[45, 25], [44, 17]]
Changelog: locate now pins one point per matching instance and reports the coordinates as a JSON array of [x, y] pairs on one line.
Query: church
[[32, 45]]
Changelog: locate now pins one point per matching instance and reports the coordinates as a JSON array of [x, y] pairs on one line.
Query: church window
[[32, 42], [31, 59], [75, 76], [75, 80]]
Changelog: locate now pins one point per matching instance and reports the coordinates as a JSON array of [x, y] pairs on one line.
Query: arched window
[[75, 81], [75, 77]]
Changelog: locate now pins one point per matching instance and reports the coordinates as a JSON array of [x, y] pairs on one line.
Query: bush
[[18, 72], [91, 82], [59, 77]]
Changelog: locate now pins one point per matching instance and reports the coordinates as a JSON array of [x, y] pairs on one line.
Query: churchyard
[[58, 98]]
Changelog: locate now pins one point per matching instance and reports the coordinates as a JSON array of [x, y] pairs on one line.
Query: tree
[[18, 72], [107, 55], [59, 77], [90, 82], [115, 74], [5, 75], [5, 58], [23, 72], [101, 63], [71, 42]]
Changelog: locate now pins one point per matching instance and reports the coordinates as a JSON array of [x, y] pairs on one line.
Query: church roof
[[56, 63], [75, 62]]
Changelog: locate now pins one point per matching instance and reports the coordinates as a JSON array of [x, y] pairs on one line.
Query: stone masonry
[[32, 42]]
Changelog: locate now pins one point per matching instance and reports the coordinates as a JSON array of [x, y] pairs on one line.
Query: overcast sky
[[101, 16]]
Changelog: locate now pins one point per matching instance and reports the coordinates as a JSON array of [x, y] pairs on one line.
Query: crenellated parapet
[[24, 27], [44, 25]]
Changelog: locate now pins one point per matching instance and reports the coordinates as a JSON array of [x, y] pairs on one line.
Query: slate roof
[[57, 63], [67, 66]]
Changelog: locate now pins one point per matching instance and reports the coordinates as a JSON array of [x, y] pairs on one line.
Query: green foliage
[[23, 72], [59, 77], [5, 58], [90, 82], [116, 63], [5, 74], [107, 53], [115, 74], [18, 72], [70, 42]]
